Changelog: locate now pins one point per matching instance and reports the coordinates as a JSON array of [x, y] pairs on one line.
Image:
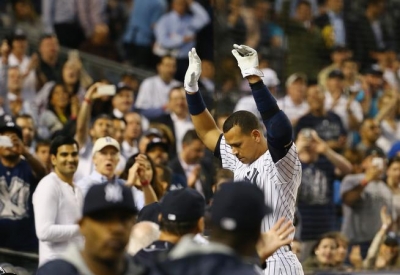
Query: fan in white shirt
[[57, 202], [26, 64], [294, 104], [346, 107], [153, 92], [105, 155]]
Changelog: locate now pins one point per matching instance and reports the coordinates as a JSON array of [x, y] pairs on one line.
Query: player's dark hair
[[178, 228], [60, 141], [190, 136], [245, 120]]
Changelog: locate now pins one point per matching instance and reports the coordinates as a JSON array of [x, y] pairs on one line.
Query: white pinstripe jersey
[[279, 181]]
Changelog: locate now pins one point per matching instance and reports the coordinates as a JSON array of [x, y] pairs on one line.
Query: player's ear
[[256, 134]]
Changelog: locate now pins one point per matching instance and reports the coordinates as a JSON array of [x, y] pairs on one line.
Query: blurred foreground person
[[236, 216], [107, 219], [182, 213]]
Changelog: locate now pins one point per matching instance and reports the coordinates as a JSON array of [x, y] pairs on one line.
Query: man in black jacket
[[191, 165]]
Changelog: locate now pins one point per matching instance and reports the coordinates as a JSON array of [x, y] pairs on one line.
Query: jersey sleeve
[[289, 166], [224, 152]]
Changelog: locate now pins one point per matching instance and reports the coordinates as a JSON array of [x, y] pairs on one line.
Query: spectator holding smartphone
[[363, 196]]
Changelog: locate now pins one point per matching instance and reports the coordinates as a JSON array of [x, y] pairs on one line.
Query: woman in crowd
[[393, 181], [62, 108], [323, 256], [70, 78], [151, 173], [341, 251]]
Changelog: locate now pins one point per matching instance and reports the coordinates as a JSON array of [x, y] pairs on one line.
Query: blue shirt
[[17, 223], [315, 199], [373, 107], [144, 15], [172, 28], [337, 23]]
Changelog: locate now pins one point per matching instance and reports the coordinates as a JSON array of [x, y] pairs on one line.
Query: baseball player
[[270, 163]]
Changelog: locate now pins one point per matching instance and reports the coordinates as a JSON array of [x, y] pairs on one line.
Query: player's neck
[[262, 148]]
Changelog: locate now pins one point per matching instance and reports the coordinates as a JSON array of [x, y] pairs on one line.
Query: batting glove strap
[[252, 71], [192, 87]]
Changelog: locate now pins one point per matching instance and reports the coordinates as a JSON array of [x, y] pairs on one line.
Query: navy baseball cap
[[19, 34], [391, 239], [183, 205], [10, 126], [373, 71], [150, 213], [157, 142], [123, 87], [238, 206], [108, 196], [336, 74]]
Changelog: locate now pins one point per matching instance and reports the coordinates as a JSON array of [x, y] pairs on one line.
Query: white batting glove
[[193, 72], [247, 59]]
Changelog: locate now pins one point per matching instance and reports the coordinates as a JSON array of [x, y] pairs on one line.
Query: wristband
[[145, 183], [72, 117], [196, 103], [192, 89], [87, 100]]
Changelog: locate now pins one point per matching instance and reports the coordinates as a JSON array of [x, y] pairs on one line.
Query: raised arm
[[279, 129], [203, 122], [83, 120]]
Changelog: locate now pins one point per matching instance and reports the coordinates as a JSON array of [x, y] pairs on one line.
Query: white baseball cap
[[104, 142], [270, 77], [296, 76]]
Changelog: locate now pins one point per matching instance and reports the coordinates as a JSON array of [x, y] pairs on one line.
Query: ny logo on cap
[[113, 193]]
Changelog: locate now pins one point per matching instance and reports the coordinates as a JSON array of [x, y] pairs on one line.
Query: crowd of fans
[[333, 66]]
